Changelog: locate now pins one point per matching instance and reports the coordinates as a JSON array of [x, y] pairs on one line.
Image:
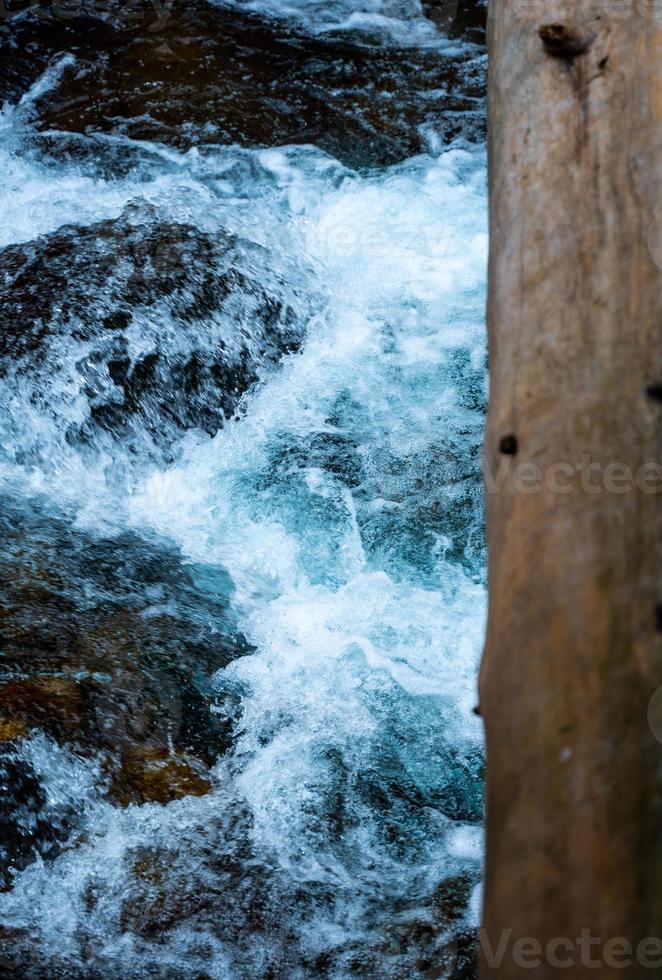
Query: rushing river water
[[242, 379]]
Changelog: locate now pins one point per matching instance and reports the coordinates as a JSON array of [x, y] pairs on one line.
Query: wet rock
[[108, 644], [407, 814], [211, 883], [464, 18], [30, 824], [107, 647], [153, 775], [460, 793], [333, 452], [27, 47], [209, 75], [438, 516], [22, 798], [54, 704], [451, 897], [12, 729], [429, 952], [158, 326], [466, 961], [20, 957]]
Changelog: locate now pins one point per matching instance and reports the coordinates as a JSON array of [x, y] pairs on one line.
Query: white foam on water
[[389, 21], [356, 752], [350, 660]]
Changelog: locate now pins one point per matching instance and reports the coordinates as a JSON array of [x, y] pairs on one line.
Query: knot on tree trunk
[[563, 41]]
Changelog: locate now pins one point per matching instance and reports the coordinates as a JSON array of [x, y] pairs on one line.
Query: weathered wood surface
[[574, 645]]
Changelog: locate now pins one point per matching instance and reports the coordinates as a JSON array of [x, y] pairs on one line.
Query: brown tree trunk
[[573, 479]]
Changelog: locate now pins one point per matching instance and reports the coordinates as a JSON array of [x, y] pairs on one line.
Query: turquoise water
[[338, 510]]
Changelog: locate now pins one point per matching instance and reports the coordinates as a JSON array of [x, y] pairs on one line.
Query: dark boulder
[[108, 643], [108, 647], [202, 74], [159, 326]]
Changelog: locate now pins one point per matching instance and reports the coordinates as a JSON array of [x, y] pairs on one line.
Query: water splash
[[343, 501]]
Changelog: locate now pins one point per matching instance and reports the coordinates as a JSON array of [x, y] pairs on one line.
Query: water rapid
[[243, 384]]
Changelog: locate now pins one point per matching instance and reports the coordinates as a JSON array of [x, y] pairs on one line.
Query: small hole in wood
[[508, 445]]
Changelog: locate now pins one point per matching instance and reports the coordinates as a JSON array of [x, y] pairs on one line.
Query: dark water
[[242, 387]]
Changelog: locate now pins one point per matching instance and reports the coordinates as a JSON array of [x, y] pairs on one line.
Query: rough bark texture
[[574, 646]]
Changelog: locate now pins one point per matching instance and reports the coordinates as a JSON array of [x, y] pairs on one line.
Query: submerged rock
[[204, 74], [21, 826], [451, 897], [107, 648], [107, 643], [33, 823], [12, 729], [156, 326], [463, 18], [156, 775], [53, 704]]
